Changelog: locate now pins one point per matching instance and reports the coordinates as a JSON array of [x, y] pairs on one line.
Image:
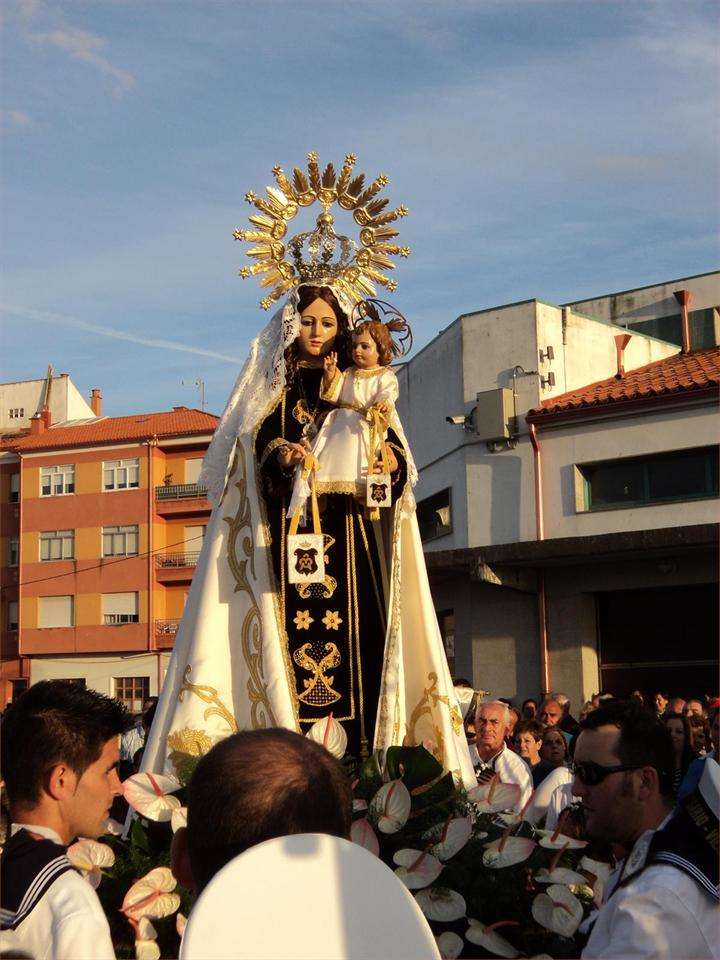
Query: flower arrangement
[[489, 882]]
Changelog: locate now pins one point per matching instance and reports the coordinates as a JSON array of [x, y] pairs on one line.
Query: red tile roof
[[674, 378], [180, 422]]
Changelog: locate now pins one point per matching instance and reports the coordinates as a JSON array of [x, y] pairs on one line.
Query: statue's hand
[[392, 462], [329, 369], [290, 454]]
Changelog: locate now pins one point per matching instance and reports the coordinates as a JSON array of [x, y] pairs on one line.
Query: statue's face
[[318, 329]]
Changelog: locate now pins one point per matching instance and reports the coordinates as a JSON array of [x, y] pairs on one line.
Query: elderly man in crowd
[[60, 752], [655, 904], [551, 713], [693, 708], [256, 786], [491, 756]]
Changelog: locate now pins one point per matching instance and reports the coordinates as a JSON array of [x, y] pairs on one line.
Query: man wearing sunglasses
[[655, 905]]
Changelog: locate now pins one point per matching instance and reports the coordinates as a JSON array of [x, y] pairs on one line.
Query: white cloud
[[44, 25], [61, 320], [86, 47]]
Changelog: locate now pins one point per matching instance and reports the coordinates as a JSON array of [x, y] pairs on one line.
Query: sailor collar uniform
[[47, 909], [659, 903]]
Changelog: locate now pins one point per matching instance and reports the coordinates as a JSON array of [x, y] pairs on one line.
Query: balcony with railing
[[175, 567], [174, 499], [164, 633]]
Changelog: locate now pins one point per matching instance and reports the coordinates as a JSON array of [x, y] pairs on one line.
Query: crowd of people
[[646, 786]]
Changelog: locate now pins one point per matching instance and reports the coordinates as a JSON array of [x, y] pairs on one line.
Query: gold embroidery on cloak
[[207, 695], [251, 632], [319, 688]]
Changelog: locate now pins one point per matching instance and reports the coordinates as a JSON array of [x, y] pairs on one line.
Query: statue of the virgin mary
[[363, 644]]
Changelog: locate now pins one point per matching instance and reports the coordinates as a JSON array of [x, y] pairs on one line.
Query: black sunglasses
[[592, 774]]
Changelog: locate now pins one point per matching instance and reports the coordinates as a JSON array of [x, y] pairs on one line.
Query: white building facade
[[527, 582]]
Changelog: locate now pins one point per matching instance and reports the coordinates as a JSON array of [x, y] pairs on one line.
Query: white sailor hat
[[307, 896]]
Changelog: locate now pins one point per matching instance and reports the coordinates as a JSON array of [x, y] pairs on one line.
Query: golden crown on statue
[[321, 255]]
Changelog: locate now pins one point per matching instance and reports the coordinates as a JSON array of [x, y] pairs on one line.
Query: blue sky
[[558, 150]]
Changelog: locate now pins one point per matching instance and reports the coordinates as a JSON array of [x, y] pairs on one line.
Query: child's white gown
[[342, 444]]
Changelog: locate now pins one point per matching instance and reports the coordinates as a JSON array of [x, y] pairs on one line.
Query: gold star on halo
[[303, 620], [332, 619]]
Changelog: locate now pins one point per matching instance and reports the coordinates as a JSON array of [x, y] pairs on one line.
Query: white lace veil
[[261, 380]]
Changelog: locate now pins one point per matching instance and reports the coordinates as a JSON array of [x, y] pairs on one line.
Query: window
[[121, 474], [194, 539], [12, 615], [57, 545], [638, 481], [446, 622], [132, 691], [56, 611], [57, 481], [435, 515], [120, 541], [16, 413], [13, 551], [119, 608], [192, 470], [14, 487]]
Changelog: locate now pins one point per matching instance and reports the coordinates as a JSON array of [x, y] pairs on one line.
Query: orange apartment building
[[101, 524]]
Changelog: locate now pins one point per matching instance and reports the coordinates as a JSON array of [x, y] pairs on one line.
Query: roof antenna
[[200, 384]]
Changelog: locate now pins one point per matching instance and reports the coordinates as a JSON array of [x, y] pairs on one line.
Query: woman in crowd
[[554, 749], [528, 741], [681, 734]]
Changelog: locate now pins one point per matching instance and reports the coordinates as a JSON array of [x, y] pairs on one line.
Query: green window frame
[[670, 477]]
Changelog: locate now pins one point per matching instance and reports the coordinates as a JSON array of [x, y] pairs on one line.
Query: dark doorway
[[659, 639]]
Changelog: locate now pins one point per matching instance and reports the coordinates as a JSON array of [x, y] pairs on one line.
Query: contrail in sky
[[59, 319]]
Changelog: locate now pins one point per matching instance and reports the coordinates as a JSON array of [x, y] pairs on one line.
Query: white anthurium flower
[[146, 950], [391, 806], [145, 930], [597, 871], [417, 868], [450, 945], [511, 819], [114, 828], [494, 796], [362, 833], [152, 896], [178, 819], [507, 851], [149, 794], [91, 858], [558, 841], [359, 804], [488, 938], [560, 875], [180, 924], [451, 838], [330, 734], [558, 910], [441, 904]]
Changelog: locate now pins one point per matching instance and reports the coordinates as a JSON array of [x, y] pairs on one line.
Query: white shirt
[[661, 914], [510, 768], [67, 923], [545, 792]]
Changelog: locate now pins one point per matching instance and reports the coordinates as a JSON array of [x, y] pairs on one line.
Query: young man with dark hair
[[59, 756], [623, 767], [255, 786]]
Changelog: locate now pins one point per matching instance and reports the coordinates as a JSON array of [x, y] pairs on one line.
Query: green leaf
[[418, 766], [139, 837]]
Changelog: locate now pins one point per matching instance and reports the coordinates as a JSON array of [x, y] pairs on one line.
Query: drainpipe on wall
[[151, 557], [683, 297], [540, 533]]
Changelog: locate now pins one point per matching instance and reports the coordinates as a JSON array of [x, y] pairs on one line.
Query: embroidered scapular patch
[[306, 558], [379, 490]]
